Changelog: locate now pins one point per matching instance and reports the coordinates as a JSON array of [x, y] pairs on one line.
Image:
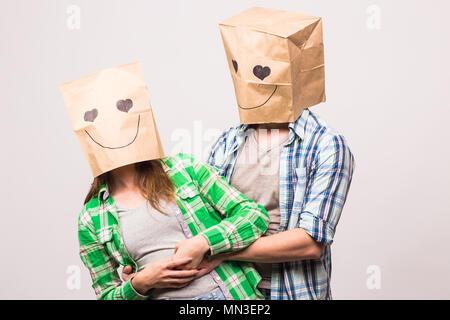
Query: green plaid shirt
[[207, 205]]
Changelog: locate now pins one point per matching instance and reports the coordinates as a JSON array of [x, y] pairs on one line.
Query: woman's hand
[[164, 273], [127, 273], [209, 264], [194, 248]]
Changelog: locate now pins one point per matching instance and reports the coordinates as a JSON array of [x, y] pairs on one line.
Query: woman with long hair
[[161, 217]]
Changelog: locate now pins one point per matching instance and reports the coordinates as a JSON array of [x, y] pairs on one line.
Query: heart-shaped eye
[[235, 65], [90, 115], [261, 72], [124, 105]]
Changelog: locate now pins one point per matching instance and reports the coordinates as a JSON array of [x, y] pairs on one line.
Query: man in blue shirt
[[276, 62]]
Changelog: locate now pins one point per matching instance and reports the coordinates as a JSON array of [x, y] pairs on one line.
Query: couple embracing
[[257, 219]]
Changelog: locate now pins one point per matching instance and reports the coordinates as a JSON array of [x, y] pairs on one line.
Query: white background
[[387, 76]]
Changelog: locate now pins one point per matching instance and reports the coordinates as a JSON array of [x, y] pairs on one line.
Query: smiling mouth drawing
[[137, 131], [249, 108]]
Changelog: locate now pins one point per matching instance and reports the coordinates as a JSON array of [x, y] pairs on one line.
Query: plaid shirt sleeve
[[243, 221], [102, 268], [329, 182]]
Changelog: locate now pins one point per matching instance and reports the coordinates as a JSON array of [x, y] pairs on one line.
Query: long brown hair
[[152, 180]]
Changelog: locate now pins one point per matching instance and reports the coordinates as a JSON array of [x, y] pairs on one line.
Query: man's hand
[[194, 248], [208, 264], [127, 273]]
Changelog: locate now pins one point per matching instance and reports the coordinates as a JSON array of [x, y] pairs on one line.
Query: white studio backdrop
[[387, 76]]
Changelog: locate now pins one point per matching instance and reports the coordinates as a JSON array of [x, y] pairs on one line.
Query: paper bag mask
[[276, 61], [112, 118]]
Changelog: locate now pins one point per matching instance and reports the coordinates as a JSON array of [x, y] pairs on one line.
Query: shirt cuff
[[316, 227], [130, 293], [218, 242]]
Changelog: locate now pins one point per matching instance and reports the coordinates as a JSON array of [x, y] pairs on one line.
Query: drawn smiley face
[[260, 73], [122, 106]]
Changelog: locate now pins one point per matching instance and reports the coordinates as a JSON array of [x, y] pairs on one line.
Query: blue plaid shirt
[[316, 168]]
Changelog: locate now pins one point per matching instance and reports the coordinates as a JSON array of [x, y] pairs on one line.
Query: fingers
[[178, 282], [207, 266], [178, 262], [182, 273], [202, 272], [127, 273], [127, 270], [203, 264]]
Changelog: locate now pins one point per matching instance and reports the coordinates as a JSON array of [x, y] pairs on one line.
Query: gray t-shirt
[[150, 235], [257, 175]]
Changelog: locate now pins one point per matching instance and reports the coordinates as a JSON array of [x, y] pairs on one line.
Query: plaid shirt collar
[[103, 193], [106, 205]]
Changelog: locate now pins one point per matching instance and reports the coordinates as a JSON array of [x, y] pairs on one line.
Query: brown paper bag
[[112, 117], [276, 61]]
